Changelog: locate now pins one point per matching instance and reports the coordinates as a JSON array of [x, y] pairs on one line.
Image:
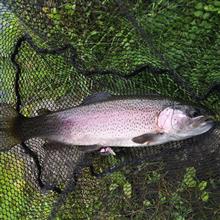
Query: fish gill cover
[[53, 54]]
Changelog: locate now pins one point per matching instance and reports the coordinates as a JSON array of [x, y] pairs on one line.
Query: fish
[[103, 121]]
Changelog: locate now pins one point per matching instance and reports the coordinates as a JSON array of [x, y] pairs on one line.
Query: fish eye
[[195, 113]]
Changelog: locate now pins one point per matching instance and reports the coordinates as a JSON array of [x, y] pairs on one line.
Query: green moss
[[12, 197]]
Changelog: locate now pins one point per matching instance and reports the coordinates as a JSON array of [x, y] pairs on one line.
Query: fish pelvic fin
[[10, 121]]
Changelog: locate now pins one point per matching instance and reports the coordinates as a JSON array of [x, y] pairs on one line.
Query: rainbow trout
[[103, 121]]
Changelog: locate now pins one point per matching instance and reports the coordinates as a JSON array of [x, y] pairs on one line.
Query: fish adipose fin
[[144, 138], [9, 120], [97, 97]]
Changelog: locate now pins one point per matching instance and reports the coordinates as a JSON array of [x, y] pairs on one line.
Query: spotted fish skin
[[112, 121]]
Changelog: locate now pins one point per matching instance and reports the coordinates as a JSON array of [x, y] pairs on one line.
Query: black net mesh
[[53, 54]]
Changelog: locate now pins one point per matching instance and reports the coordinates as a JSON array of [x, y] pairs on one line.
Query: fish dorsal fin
[[96, 97], [150, 137]]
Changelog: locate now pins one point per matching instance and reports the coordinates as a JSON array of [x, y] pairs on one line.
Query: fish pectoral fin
[[97, 97], [144, 138], [89, 148]]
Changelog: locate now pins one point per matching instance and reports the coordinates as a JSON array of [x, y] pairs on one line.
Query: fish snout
[[202, 121]]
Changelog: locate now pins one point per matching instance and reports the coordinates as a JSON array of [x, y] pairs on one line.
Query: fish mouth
[[198, 126], [202, 121]]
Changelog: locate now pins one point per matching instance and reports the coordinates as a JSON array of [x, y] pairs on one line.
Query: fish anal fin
[[146, 138]]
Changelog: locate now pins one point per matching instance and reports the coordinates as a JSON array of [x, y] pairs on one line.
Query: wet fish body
[[113, 121]]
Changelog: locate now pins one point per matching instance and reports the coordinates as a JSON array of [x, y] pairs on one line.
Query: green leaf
[[198, 13], [54, 10], [191, 183], [113, 186], [180, 218], [199, 6], [146, 203], [189, 178], [93, 33], [204, 196], [191, 171], [70, 6], [217, 3], [206, 15], [210, 8], [57, 16], [202, 185], [127, 188]]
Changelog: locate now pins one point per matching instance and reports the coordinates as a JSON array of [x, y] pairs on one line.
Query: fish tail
[[15, 128], [10, 122]]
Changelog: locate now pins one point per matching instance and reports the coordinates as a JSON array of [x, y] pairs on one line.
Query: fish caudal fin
[[9, 122]]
